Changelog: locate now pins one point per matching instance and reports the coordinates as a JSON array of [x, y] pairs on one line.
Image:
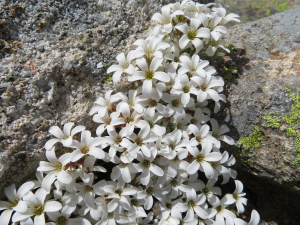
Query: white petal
[[156, 170], [52, 206]]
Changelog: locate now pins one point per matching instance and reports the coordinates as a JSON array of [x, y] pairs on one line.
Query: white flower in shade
[[55, 169], [220, 207], [147, 166], [199, 118], [133, 101], [124, 66], [142, 138], [175, 105], [213, 47], [65, 136], [185, 87], [171, 220], [237, 196], [209, 190], [193, 66], [255, 218], [193, 205], [186, 220], [175, 187], [153, 118], [225, 18], [201, 135], [151, 47], [63, 218], [218, 133], [202, 159], [89, 167], [15, 201], [207, 90], [107, 102], [130, 119], [151, 190], [87, 146], [107, 120], [37, 206], [125, 171], [166, 18], [149, 74], [192, 34], [117, 193]]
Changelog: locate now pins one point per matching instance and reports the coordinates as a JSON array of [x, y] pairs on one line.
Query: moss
[[272, 120], [230, 47], [297, 150], [107, 78], [293, 117], [252, 141], [290, 132], [229, 73]]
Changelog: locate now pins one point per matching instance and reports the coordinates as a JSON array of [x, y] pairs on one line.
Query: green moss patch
[[252, 141], [272, 120], [293, 117]]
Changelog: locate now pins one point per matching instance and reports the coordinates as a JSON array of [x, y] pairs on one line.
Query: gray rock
[[49, 76], [266, 61]]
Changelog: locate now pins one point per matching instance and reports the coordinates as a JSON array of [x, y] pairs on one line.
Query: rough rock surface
[[53, 59], [262, 69]]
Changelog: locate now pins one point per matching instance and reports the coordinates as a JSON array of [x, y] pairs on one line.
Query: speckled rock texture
[[53, 58], [265, 62]]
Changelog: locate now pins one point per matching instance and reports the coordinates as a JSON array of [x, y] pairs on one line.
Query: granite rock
[[53, 59]]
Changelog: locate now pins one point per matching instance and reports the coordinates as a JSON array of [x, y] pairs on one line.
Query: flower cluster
[[158, 143]]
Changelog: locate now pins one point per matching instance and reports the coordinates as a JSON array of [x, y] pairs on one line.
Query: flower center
[[193, 121], [128, 120], [134, 202], [169, 205], [175, 102], [87, 188], [236, 196], [62, 220], [200, 158], [110, 215], [151, 124], [118, 191], [118, 140], [38, 210], [186, 89], [203, 87], [146, 163], [191, 34], [149, 75], [152, 102], [191, 204], [85, 150], [206, 191], [199, 138], [150, 190], [174, 183], [172, 146], [219, 208], [139, 141]]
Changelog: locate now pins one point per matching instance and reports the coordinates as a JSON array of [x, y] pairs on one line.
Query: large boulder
[[53, 60], [54, 56], [263, 112]]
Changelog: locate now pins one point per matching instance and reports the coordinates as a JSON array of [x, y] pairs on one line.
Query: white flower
[[55, 169], [124, 66], [65, 136], [217, 132], [253, 221], [87, 146], [147, 166], [193, 66], [202, 159], [151, 47], [192, 34], [15, 201], [37, 206], [149, 74], [238, 197], [193, 204]]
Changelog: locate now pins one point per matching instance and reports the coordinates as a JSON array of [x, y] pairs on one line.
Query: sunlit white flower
[[124, 66], [65, 136], [151, 47]]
